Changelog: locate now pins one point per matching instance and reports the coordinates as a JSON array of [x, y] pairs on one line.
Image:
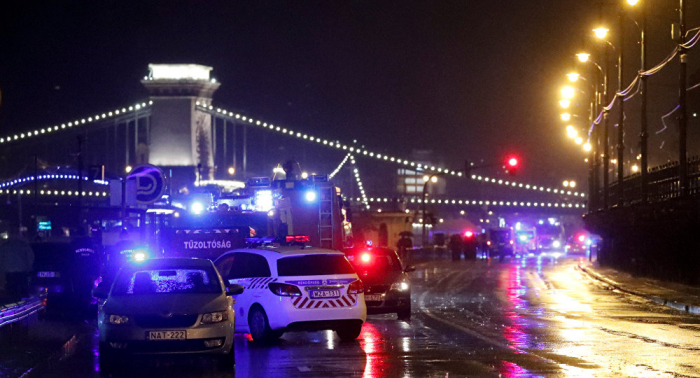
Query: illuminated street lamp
[[565, 117], [635, 168], [564, 103], [565, 183], [128, 169], [601, 32], [568, 92], [573, 76], [571, 131], [578, 140], [231, 171], [587, 147], [632, 2], [583, 57]]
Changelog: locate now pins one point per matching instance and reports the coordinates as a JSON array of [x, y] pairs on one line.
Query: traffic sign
[[150, 183]]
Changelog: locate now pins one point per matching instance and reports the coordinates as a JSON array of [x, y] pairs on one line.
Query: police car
[[294, 288]]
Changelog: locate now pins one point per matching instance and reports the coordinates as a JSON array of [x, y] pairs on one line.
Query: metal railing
[[663, 184]]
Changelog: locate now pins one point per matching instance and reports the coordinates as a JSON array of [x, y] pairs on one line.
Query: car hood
[[165, 303], [379, 278]]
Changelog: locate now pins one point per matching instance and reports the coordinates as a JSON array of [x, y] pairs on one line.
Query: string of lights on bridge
[[364, 152], [466, 202], [47, 177], [356, 172], [50, 192], [77, 122], [339, 167], [28, 179]]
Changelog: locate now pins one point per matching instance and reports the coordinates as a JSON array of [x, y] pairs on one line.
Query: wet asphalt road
[[520, 318]]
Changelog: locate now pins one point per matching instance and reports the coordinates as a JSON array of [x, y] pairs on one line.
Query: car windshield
[[374, 261], [314, 265], [167, 281]]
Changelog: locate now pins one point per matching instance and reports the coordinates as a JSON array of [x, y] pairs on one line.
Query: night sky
[[467, 79]]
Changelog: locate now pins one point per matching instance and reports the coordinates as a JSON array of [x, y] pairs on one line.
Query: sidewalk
[[30, 343], [678, 296]]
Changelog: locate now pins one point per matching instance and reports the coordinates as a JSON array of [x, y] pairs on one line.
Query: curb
[[66, 350], [683, 307]]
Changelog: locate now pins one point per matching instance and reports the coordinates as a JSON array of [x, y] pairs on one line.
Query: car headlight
[[400, 286], [215, 317], [556, 244], [118, 319]]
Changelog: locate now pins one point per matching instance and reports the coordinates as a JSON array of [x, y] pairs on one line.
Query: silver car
[[165, 306]]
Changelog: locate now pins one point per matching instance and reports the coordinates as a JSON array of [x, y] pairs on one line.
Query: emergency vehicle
[[525, 238], [208, 226], [294, 288], [500, 242]]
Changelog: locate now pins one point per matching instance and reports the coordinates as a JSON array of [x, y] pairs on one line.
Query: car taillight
[[284, 290], [511, 242], [365, 257], [356, 287], [488, 242]]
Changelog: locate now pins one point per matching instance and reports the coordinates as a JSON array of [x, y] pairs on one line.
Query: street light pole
[[644, 134], [430, 178], [596, 133], [682, 125], [621, 119], [606, 128]]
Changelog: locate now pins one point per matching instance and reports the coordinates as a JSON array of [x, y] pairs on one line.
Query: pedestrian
[[84, 271], [404, 245], [456, 246], [16, 261], [116, 256]]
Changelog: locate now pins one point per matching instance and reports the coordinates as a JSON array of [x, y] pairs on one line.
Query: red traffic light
[[512, 165]]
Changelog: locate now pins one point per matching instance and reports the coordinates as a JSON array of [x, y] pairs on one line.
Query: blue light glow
[[197, 208], [310, 196]]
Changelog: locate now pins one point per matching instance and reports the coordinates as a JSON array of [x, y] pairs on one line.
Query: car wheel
[[228, 360], [405, 313], [260, 326], [349, 332]]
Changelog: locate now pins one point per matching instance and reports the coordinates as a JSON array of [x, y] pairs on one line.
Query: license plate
[[373, 297], [320, 294], [48, 274], [166, 335]]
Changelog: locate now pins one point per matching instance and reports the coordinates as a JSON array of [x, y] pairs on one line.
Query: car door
[[251, 271], [228, 266]]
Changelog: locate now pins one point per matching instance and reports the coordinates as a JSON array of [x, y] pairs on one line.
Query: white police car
[[294, 288]]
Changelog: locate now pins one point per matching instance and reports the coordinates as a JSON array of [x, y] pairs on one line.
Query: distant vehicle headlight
[[556, 244], [400, 286], [118, 319], [214, 317]]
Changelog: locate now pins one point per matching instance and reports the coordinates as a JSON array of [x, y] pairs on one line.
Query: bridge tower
[[180, 135]]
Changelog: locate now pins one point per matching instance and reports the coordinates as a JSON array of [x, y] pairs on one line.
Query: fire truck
[[209, 223]]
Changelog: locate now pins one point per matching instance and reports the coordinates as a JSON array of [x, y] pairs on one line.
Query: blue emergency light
[[310, 196]]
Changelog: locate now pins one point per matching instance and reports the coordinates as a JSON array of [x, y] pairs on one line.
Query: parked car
[[166, 306], [386, 281]]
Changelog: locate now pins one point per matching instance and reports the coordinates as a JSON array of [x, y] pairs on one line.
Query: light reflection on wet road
[[521, 318]]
